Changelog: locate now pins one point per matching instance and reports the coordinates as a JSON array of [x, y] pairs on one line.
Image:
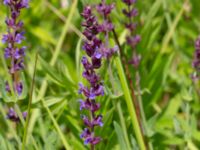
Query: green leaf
[[54, 75], [120, 136]]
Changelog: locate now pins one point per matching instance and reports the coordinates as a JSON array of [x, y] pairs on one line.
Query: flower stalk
[[96, 49], [14, 53]]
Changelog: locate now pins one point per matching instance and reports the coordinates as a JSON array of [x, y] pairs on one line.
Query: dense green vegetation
[[167, 93]]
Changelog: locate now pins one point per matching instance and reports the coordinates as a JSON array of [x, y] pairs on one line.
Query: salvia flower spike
[[14, 52], [95, 49], [132, 39], [91, 46]]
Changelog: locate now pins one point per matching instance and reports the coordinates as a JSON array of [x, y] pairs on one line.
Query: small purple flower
[[8, 51], [19, 88], [87, 12], [89, 105], [135, 61], [108, 52], [89, 137], [131, 13], [5, 38], [19, 37], [133, 41], [12, 115], [86, 121], [23, 4], [196, 60], [7, 2], [87, 65], [131, 26], [129, 2], [105, 27], [97, 121], [104, 9], [95, 140], [96, 60], [24, 114], [7, 87]]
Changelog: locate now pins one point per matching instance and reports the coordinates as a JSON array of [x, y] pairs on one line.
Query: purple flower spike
[[13, 52], [96, 50], [132, 39]]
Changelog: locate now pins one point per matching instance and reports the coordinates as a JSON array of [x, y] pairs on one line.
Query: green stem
[[19, 113], [123, 124], [144, 122], [66, 145], [29, 105], [130, 106], [118, 107]]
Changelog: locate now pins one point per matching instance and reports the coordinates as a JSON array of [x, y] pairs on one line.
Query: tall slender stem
[[130, 106], [60, 133], [128, 75], [143, 117], [29, 104], [131, 102]]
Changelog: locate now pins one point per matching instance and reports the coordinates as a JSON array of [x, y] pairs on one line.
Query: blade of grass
[[168, 37], [120, 136], [129, 104], [19, 113], [66, 145], [63, 18], [123, 125], [143, 117], [29, 104]]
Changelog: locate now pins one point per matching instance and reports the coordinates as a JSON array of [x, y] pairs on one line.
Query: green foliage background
[[168, 29]]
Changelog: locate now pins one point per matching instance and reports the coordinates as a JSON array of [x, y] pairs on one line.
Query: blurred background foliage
[[168, 29]]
